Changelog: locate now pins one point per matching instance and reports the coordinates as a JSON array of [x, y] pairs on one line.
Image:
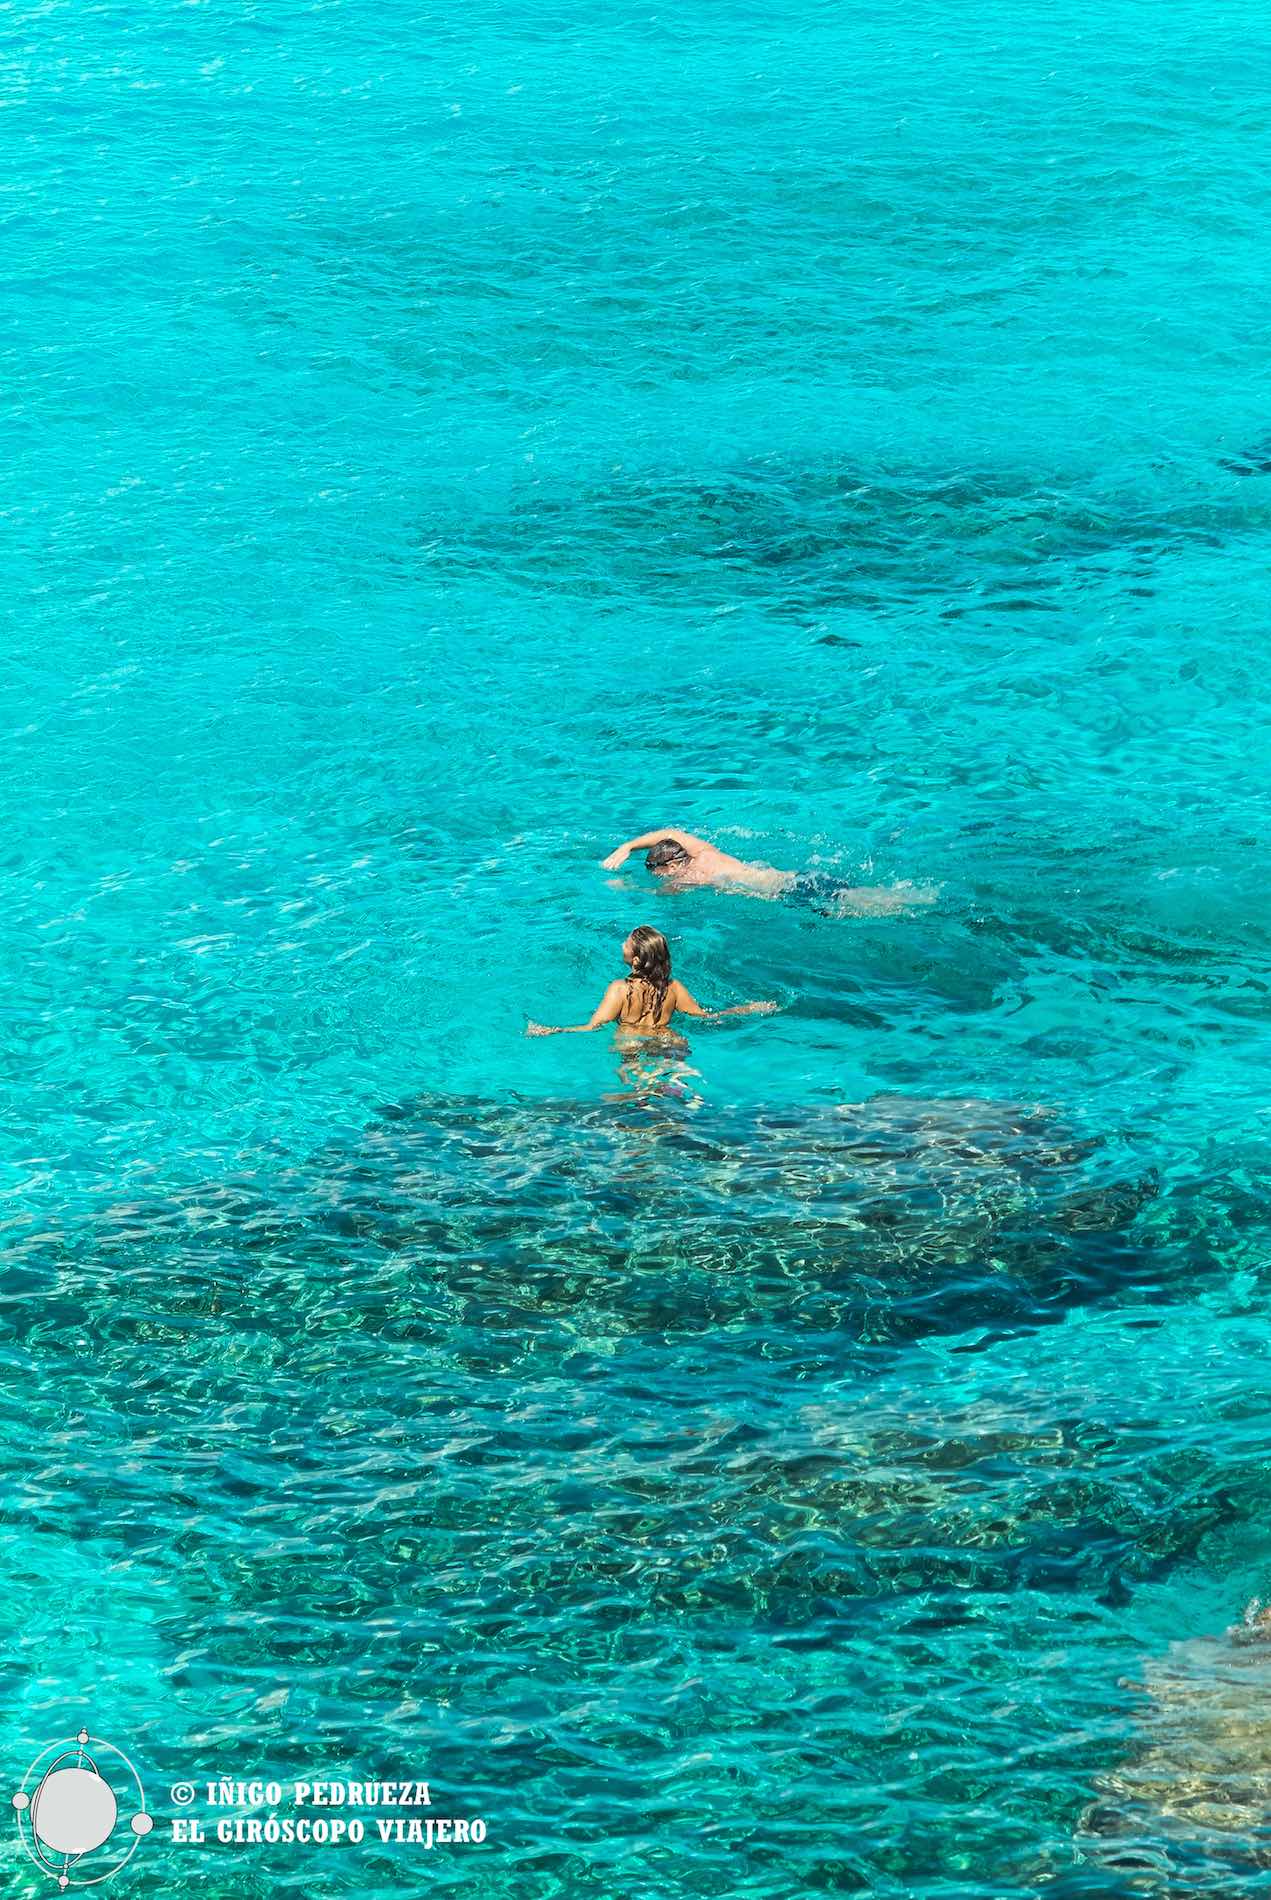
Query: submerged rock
[[1191, 1807], [888, 1219]]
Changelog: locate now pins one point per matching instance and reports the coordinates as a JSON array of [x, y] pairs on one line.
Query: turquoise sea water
[[437, 446]]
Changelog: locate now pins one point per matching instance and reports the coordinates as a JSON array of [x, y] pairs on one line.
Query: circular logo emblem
[[68, 1811]]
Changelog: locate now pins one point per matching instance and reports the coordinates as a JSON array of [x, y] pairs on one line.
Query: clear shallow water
[[439, 446]]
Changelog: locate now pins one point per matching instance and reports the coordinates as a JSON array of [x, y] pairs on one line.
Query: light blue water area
[[439, 445]]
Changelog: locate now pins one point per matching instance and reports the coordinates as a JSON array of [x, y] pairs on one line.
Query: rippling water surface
[[438, 445]]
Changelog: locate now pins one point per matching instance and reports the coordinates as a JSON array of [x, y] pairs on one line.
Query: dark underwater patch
[[610, 1435], [807, 538], [1254, 460], [887, 1222]]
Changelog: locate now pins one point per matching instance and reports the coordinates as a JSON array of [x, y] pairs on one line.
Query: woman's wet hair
[[650, 967], [664, 852]]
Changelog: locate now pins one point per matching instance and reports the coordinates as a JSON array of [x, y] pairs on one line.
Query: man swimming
[[683, 861]]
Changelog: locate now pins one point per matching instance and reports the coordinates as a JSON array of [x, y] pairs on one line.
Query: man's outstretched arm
[[684, 839]]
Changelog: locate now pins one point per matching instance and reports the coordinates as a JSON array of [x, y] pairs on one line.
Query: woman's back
[[647, 1006]]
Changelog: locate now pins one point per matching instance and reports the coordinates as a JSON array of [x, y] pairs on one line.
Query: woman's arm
[[684, 839], [607, 1010], [691, 1007]]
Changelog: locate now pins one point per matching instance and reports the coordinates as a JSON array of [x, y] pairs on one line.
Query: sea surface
[[828, 1458]]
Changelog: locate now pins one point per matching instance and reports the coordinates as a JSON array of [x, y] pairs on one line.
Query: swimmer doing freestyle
[[645, 1001], [683, 861]]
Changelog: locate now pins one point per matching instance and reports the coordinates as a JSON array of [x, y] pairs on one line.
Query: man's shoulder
[[721, 860], [736, 867]]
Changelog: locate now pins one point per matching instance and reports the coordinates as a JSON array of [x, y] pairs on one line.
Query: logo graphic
[[67, 1811]]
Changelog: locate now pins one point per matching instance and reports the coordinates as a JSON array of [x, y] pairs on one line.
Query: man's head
[[666, 858]]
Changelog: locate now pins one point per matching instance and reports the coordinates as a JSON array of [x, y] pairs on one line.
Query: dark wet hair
[[650, 967], [664, 852]]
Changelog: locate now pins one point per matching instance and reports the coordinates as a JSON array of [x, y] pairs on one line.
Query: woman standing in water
[[645, 1001]]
